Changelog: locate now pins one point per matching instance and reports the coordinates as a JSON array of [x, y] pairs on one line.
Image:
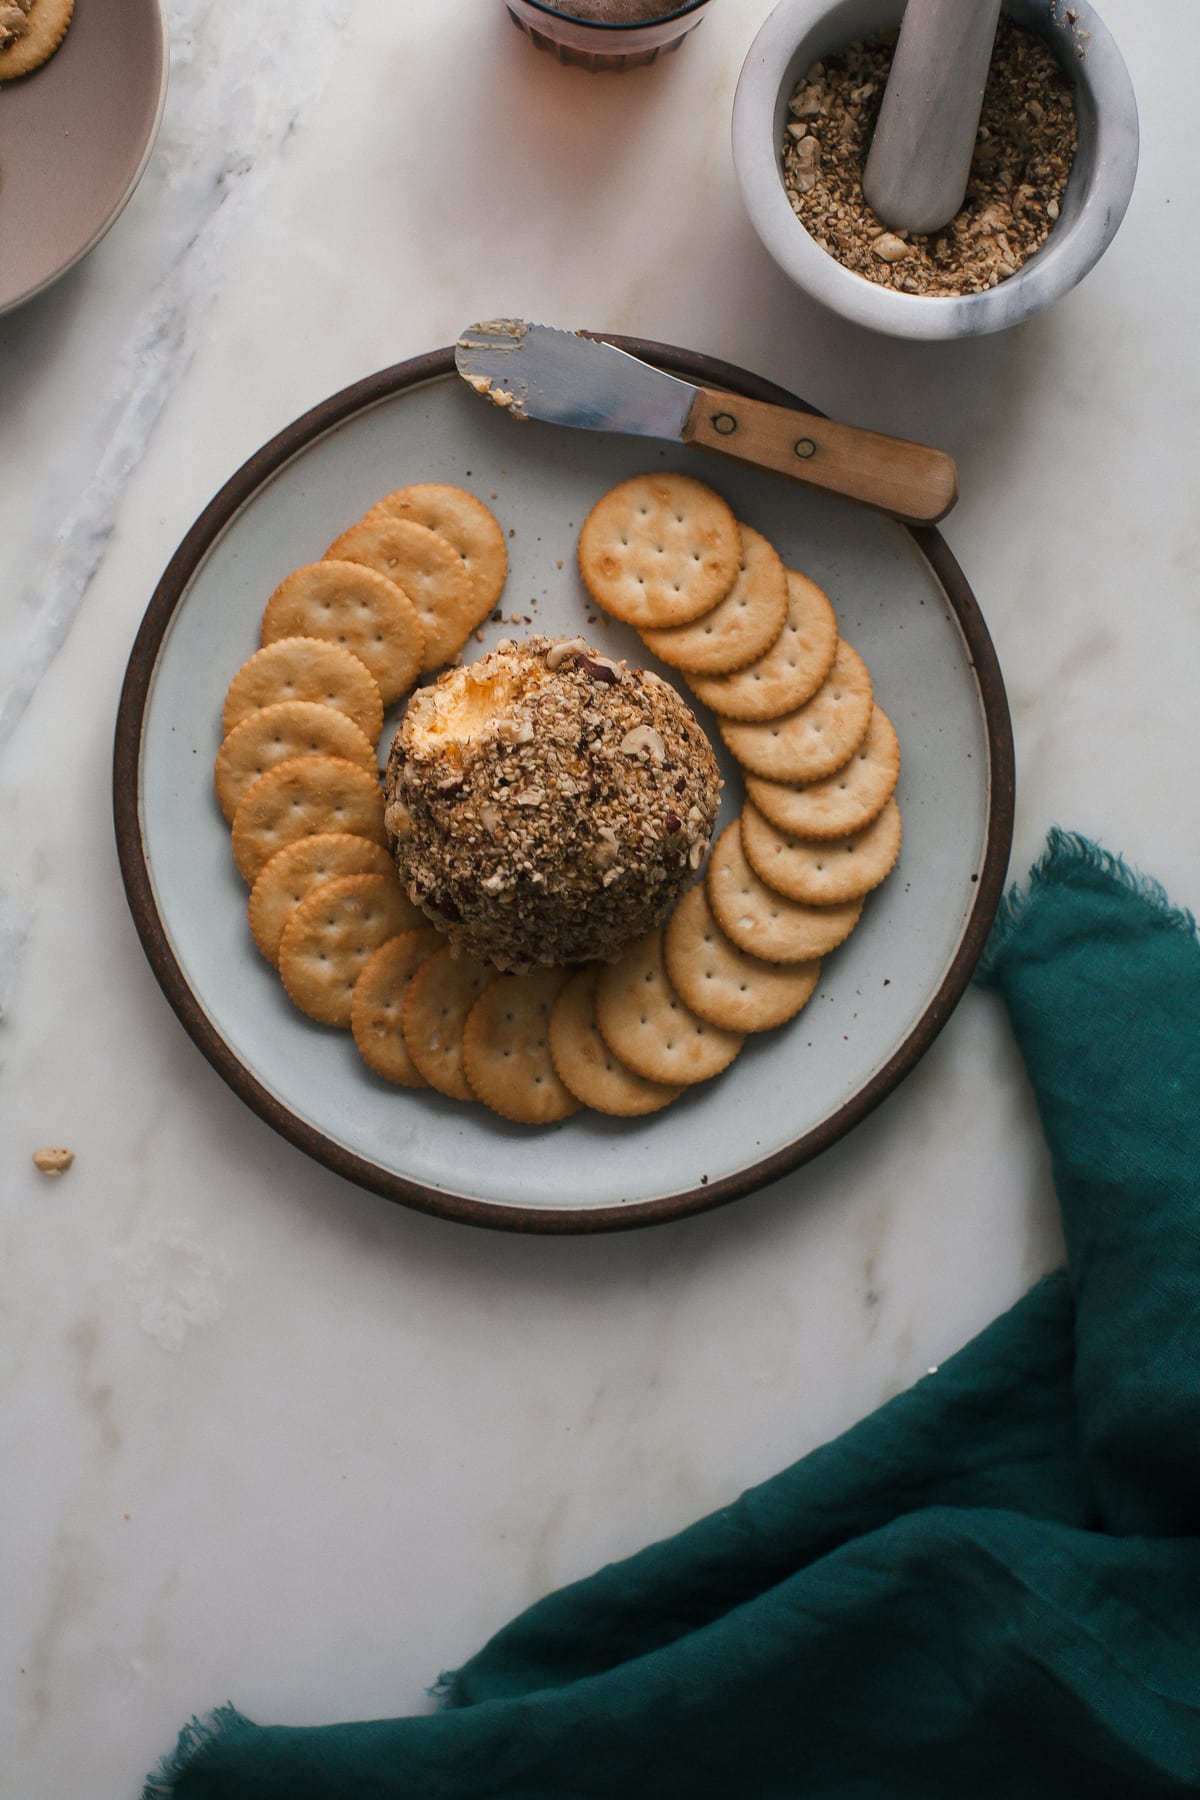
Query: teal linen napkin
[[990, 1587]]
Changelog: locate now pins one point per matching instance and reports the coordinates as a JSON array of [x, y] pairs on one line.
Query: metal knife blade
[[565, 378], [537, 372]]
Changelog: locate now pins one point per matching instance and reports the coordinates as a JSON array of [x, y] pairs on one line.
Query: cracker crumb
[[53, 1161], [14, 20]]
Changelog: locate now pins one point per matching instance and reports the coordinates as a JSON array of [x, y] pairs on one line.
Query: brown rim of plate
[[462, 1207]]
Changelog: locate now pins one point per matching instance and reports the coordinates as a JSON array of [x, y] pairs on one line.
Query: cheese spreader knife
[[567, 378]]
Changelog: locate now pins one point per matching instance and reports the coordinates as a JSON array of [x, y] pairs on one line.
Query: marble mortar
[[799, 32]]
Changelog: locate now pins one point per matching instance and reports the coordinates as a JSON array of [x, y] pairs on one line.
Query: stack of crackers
[[758, 644], [395, 597]]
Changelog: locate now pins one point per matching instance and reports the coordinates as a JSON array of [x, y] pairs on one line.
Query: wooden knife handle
[[910, 481]]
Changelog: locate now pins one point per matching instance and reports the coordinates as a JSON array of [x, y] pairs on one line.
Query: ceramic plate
[[75, 136], [901, 600]]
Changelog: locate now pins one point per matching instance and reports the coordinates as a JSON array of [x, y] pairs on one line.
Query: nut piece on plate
[[546, 805], [30, 33]]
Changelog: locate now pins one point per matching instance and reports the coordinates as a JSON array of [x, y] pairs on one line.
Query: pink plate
[[75, 136]]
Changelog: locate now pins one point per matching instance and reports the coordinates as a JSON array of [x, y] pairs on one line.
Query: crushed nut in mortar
[[1023, 154]]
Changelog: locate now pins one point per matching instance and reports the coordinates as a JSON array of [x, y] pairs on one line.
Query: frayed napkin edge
[[1068, 853], [198, 1735]]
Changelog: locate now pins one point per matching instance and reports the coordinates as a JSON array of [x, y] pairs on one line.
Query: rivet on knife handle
[[912, 482]]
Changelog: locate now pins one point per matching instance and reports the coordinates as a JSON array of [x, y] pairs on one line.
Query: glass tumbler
[[604, 44]]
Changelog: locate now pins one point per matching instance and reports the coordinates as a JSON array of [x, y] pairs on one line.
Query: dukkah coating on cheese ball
[[546, 805]]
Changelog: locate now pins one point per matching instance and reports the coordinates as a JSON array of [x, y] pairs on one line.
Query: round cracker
[[275, 734], [46, 29], [822, 871], [645, 1023], [466, 523], [377, 1005], [760, 921], [293, 872], [302, 796], [659, 550], [844, 801], [741, 627], [329, 937], [428, 569], [357, 607], [506, 1049], [723, 984], [585, 1064], [305, 668], [792, 669], [815, 739], [437, 1000]]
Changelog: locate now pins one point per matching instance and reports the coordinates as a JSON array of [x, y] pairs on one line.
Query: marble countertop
[[266, 1437]]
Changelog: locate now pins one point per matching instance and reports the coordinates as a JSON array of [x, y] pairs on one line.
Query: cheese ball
[[546, 805]]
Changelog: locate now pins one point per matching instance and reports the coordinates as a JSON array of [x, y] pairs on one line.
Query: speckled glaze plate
[[901, 600], [75, 138]]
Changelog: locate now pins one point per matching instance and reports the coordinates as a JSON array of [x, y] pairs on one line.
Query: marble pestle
[[916, 171]]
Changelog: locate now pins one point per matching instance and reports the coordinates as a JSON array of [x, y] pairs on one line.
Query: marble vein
[[240, 81]]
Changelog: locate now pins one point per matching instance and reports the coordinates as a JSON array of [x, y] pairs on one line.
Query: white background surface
[[265, 1437]]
